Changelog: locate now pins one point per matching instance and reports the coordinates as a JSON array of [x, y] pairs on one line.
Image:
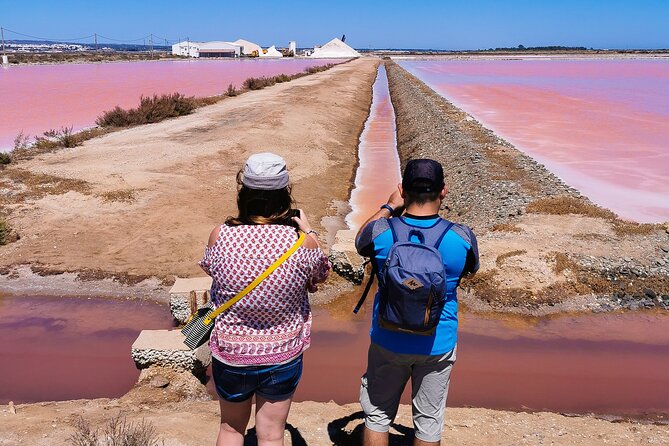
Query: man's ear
[[443, 192], [401, 190]]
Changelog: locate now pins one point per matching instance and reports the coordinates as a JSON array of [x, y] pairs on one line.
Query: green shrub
[[5, 158]]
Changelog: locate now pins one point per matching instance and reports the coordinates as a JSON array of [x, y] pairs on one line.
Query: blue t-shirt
[[459, 252]]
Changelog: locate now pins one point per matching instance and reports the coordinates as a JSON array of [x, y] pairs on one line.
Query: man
[[396, 356]]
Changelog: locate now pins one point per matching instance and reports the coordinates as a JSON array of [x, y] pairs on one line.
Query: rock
[[159, 381], [166, 348], [187, 295], [665, 248], [650, 293], [11, 408]]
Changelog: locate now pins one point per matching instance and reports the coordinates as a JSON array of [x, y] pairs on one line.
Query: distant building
[[219, 49], [292, 47], [186, 48]]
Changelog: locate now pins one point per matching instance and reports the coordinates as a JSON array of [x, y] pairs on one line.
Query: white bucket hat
[[265, 171]]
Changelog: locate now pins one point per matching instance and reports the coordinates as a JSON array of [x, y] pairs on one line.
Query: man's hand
[[395, 200]]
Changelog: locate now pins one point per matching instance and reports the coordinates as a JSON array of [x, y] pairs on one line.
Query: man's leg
[[430, 379], [380, 392]]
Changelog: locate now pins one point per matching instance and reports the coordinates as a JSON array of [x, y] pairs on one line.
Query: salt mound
[[334, 49], [272, 52]]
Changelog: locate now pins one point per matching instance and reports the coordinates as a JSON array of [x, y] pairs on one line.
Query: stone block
[[187, 295], [345, 259], [166, 348]]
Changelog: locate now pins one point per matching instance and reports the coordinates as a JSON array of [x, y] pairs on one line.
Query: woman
[[257, 344]]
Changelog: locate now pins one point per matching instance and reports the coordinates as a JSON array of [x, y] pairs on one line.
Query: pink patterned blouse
[[271, 324]]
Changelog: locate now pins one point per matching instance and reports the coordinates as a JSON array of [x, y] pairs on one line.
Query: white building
[[292, 47], [219, 49], [186, 48], [334, 49]]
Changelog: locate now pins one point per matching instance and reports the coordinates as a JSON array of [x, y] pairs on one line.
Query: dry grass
[[506, 227], [5, 231], [571, 205], [501, 258], [565, 205], [562, 262], [622, 228], [40, 58], [122, 195], [118, 432], [51, 141], [38, 185]]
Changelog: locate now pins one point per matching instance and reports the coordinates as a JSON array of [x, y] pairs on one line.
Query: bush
[[282, 78], [5, 158], [258, 83], [118, 432], [151, 109], [231, 91]]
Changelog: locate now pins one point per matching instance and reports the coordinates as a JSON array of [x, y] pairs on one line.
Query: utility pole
[[151, 43], [4, 54]]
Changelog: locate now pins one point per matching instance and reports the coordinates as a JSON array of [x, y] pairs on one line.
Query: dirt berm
[[544, 247]]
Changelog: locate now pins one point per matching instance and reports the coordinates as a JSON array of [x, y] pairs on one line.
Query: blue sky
[[377, 24]]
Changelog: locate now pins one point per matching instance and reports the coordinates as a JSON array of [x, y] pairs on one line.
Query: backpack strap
[[432, 236], [443, 234]]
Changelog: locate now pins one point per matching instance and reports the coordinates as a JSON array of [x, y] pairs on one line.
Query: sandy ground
[[172, 182], [196, 423]]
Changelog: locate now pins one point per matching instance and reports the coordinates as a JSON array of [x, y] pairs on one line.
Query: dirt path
[[315, 424], [142, 201]]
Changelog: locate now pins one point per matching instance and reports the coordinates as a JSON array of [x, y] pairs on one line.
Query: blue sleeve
[[364, 243], [472, 260]]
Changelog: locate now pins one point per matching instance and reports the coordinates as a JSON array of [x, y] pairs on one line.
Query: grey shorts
[[386, 377]]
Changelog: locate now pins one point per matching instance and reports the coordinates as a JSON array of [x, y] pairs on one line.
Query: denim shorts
[[272, 382]]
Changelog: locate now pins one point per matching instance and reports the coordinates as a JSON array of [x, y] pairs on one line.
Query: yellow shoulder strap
[[256, 282]]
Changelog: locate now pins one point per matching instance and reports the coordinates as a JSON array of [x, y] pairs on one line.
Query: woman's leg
[[271, 420], [234, 419]]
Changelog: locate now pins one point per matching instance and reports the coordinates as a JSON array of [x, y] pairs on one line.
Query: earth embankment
[[141, 202], [544, 247]]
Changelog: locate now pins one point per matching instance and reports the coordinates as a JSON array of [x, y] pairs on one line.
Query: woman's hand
[[302, 222]]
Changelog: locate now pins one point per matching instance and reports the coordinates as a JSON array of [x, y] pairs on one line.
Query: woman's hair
[[262, 207]]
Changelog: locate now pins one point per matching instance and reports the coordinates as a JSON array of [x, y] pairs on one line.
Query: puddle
[[68, 348]]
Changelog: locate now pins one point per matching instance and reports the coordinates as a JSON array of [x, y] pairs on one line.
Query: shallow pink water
[[379, 170], [37, 98], [65, 348], [600, 125]]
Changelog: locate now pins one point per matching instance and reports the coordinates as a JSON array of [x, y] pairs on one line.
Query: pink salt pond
[[36, 98], [600, 125]]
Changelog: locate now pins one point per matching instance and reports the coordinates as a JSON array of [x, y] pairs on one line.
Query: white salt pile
[[334, 49], [271, 52]]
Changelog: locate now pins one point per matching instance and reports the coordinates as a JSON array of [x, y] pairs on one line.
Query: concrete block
[[187, 295], [345, 259], [166, 348]]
